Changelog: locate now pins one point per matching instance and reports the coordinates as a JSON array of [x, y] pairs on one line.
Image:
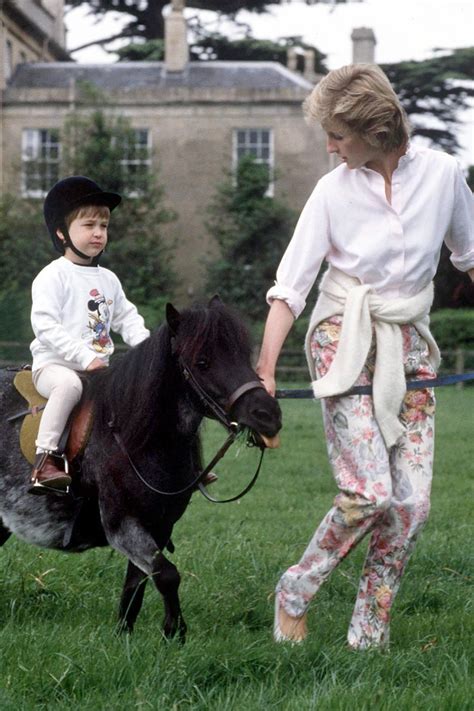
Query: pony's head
[[212, 344]]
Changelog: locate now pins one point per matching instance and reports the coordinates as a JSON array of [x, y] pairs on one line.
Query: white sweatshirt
[[361, 307], [74, 309]]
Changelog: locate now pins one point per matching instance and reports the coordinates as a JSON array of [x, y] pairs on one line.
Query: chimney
[[308, 71], [176, 43], [301, 61], [363, 45], [292, 59]]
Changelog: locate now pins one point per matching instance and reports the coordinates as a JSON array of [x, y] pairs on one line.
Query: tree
[[216, 46], [96, 144], [251, 230], [435, 89], [470, 177], [438, 89], [145, 17], [24, 249]]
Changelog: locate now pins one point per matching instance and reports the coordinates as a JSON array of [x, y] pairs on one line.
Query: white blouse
[[395, 248]]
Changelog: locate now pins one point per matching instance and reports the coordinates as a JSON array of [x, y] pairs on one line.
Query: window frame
[[258, 145], [31, 140], [124, 162]]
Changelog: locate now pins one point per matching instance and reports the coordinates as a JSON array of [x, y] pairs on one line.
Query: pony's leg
[[167, 578], [130, 538], [132, 597], [4, 534]]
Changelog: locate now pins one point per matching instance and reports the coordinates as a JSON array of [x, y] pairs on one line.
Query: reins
[[221, 414]]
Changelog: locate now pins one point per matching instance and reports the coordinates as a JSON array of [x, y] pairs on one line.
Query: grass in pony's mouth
[[256, 439]]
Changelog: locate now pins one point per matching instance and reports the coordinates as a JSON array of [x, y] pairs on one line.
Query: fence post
[[459, 366]]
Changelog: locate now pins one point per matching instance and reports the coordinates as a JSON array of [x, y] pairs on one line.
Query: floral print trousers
[[382, 493]]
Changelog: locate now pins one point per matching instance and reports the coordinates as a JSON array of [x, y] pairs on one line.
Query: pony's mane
[[217, 326], [140, 389]]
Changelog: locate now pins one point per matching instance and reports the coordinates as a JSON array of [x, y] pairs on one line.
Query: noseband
[[220, 412]]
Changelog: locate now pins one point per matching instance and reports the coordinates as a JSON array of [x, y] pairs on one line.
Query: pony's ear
[[173, 317], [215, 301]]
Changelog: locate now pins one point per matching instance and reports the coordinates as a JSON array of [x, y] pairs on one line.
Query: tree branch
[[103, 41]]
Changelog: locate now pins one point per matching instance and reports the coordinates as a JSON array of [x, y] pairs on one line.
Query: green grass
[[58, 644]]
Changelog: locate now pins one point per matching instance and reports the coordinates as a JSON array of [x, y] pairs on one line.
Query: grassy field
[[59, 649]]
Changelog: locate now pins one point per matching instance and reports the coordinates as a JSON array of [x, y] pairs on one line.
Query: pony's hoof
[[287, 628]]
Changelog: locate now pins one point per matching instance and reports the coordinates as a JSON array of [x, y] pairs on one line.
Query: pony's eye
[[202, 363]]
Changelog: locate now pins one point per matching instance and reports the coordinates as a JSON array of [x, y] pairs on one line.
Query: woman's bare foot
[[288, 628]]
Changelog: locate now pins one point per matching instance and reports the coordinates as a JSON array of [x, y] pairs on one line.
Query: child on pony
[[76, 304]]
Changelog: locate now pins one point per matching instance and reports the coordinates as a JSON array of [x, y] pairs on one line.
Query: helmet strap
[[69, 243]]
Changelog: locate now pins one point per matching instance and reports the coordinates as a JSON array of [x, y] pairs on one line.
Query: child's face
[[88, 232]]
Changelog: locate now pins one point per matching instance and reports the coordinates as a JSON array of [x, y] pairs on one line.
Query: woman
[[379, 220]]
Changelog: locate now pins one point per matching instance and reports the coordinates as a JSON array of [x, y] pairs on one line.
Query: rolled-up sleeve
[[461, 235], [304, 255]]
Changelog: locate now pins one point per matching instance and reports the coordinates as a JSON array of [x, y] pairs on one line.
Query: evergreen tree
[[25, 248], [252, 231], [433, 92], [215, 46], [145, 19], [95, 144]]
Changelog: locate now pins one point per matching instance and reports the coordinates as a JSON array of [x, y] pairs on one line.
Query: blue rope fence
[[295, 394]]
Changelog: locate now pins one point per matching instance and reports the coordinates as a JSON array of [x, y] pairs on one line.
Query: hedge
[[453, 328]]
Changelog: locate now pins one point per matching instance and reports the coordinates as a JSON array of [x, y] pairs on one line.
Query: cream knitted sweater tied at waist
[[360, 306]]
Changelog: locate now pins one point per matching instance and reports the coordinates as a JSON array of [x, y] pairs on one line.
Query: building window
[[40, 160], [8, 59], [257, 142], [136, 161]]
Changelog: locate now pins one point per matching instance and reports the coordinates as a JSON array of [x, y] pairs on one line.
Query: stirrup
[[39, 487]]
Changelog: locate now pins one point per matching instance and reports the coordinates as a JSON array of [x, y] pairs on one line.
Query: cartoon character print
[[99, 321]]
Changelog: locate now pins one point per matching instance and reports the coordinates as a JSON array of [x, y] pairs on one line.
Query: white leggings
[[63, 388]]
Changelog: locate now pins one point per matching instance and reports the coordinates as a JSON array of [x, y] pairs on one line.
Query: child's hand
[[96, 364]]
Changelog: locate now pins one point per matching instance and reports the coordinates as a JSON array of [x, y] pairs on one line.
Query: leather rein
[[221, 414]]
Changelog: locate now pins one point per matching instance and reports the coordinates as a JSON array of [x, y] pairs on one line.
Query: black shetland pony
[[148, 407]]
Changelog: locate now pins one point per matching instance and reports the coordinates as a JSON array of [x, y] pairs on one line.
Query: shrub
[[453, 328]]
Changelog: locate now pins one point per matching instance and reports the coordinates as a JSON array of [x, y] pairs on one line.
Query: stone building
[[192, 120], [31, 31]]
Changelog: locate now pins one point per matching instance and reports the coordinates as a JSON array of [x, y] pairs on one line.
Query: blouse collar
[[403, 161]]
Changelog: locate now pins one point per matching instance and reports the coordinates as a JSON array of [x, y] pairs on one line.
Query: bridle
[[220, 413]]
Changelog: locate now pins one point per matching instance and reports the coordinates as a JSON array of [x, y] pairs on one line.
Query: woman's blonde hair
[[360, 98]]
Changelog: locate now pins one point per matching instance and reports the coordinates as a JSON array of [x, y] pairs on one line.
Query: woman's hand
[[268, 381], [96, 364]]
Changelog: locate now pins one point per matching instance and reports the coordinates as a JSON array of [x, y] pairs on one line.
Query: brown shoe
[[47, 477]]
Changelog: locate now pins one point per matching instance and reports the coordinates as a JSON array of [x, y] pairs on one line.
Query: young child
[[76, 303]]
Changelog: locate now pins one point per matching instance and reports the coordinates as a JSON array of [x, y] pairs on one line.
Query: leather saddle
[[77, 430]]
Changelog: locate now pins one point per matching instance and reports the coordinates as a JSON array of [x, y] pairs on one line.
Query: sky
[[404, 29]]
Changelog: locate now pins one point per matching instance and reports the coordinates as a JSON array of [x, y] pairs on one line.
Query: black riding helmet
[[67, 195]]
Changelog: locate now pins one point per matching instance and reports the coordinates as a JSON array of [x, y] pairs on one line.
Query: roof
[[148, 75]]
